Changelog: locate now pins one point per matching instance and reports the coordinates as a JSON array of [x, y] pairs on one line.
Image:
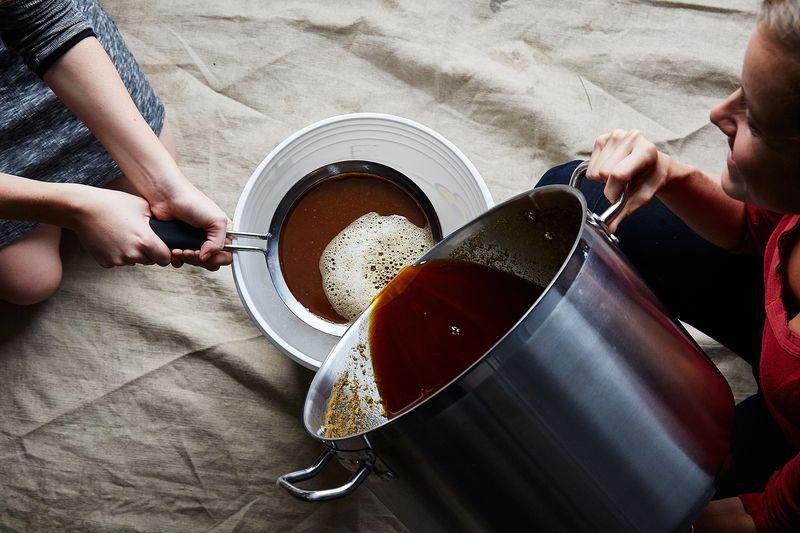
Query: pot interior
[[532, 236]]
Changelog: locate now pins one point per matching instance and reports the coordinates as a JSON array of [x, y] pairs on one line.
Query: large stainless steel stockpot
[[596, 412]]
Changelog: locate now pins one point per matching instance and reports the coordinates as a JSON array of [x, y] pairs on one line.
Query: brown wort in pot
[[320, 214], [427, 326]]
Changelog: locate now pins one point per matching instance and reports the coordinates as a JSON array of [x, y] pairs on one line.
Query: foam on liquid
[[365, 256]]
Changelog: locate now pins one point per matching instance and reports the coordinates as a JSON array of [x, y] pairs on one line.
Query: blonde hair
[[782, 18]]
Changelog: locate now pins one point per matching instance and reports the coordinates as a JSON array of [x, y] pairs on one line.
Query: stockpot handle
[[286, 481], [609, 214]]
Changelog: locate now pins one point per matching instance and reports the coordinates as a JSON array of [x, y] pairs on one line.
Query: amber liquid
[[319, 215], [434, 320]]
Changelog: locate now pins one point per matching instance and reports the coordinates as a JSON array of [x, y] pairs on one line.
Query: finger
[[618, 176], [615, 138], [614, 154], [640, 195], [176, 260], [192, 257], [599, 144], [614, 189], [215, 238], [632, 169], [219, 259], [612, 226], [129, 258], [156, 250], [615, 183], [637, 162]]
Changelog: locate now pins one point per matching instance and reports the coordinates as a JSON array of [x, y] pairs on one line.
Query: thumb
[[612, 226], [157, 251], [215, 239], [614, 189]]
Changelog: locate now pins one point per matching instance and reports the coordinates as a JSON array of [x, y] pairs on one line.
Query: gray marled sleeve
[[41, 30]]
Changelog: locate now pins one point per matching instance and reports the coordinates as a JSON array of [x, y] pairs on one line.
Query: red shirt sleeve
[[758, 226], [777, 509]]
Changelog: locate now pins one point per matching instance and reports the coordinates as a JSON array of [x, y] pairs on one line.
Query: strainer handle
[[287, 480], [180, 235], [609, 214]]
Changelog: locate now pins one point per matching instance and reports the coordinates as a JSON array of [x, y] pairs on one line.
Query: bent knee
[[30, 269], [36, 288]]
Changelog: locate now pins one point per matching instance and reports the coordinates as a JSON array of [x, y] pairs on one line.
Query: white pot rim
[[249, 305]]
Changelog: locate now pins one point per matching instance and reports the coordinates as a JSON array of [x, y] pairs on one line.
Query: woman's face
[[762, 123]]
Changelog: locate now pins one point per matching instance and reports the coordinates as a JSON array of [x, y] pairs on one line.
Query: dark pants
[[719, 293]]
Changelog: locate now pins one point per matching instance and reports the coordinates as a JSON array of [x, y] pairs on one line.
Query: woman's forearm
[[87, 82], [698, 199], [58, 204]]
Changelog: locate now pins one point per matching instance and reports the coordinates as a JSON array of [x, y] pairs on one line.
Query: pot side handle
[[287, 480], [609, 214]]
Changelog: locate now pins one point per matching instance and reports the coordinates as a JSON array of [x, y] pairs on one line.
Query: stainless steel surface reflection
[[597, 412]]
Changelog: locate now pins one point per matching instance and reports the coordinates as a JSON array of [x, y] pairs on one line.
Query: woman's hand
[[725, 516], [626, 159], [184, 202], [114, 227]]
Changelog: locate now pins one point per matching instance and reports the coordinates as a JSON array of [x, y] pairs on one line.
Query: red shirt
[[777, 508]]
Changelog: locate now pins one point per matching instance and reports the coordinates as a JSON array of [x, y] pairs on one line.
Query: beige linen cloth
[[143, 399]]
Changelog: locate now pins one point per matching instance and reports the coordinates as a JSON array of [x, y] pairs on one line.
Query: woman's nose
[[723, 115]]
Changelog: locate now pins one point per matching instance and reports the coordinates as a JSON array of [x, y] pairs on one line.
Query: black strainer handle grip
[[178, 235]]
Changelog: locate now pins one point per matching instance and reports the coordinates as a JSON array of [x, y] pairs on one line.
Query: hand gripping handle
[[608, 215]]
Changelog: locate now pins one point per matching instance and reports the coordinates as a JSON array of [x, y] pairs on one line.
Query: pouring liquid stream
[[434, 320]]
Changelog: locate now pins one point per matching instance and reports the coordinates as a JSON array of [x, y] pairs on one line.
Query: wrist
[[161, 186], [72, 204], [676, 174]]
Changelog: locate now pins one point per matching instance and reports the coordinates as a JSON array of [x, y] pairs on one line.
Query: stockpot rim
[[588, 218]]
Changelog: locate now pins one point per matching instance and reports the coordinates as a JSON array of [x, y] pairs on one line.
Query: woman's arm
[[57, 43], [87, 82], [113, 226], [623, 157], [698, 199], [24, 199]]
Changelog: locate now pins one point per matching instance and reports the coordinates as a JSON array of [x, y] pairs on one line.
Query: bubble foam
[[365, 256]]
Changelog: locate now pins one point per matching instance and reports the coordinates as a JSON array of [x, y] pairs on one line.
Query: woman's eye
[[753, 129]]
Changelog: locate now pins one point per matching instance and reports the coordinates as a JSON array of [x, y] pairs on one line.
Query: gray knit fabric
[[36, 28], [39, 137]]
